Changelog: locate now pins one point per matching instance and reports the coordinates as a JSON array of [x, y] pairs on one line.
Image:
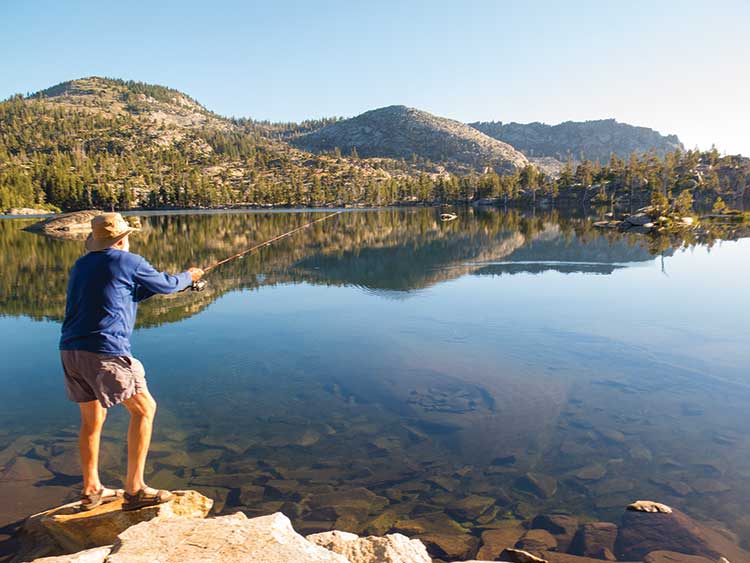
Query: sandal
[[93, 500], [142, 499]]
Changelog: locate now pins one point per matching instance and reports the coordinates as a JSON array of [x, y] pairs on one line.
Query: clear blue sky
[[679, 66]]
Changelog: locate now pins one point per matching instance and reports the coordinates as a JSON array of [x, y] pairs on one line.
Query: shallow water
[[419, 360]]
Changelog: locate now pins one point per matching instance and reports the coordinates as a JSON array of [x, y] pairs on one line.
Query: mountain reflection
[[384, 251]]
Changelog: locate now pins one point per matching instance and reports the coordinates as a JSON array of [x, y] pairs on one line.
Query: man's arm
[[150, 281]]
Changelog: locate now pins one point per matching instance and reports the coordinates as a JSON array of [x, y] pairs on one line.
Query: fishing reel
[[199, 285]]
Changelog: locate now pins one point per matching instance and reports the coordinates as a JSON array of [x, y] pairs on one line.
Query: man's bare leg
[[92, 420], [142, 408]]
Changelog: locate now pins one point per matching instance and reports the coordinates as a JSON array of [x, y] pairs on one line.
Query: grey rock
[[393, 548], [596, 140], [232, 538], [95, 555], [400, 132]]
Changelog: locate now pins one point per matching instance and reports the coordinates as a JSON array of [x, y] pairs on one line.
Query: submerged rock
[[562, 526], [594, 539], [495, 541], [536, 541], [654, 529], [393, 548], [470, 508], [539, 485]]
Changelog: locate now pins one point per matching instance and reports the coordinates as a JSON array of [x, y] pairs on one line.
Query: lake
[[385, 370]]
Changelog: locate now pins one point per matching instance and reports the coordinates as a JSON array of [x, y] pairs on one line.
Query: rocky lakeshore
[[181, 531]]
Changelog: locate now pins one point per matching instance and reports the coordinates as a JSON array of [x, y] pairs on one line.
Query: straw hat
[[107, 229]]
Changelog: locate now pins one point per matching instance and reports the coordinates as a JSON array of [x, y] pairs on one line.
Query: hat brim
[[95, 245]]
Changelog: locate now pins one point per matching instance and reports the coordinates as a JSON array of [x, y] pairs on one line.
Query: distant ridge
[[401, 132], [594, 140]]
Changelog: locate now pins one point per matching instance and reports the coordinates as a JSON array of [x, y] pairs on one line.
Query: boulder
[[94, 555], [594, 539], [562, 526], [68, 530], [644, 531], [443, 536], [495, 541], [393, 548], [469, 508], [536, 541], [542, 486], [639, 219], [232, 538]]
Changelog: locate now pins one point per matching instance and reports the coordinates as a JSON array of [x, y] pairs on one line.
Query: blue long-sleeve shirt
[[102, 299]]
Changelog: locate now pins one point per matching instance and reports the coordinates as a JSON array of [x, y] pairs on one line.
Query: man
[[100, 372]]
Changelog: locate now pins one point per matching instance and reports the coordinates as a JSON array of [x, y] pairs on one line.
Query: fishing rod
[[201, 284]]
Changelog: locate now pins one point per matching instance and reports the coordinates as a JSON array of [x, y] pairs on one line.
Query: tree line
[[74, 159]]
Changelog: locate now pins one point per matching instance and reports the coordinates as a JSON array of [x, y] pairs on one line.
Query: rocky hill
[[402, 132], [594, 140], [99, 142]]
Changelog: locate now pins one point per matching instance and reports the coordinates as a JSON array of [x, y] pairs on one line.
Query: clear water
[[422, 361]]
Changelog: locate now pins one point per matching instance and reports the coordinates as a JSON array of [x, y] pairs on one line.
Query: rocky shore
[[182, 532]]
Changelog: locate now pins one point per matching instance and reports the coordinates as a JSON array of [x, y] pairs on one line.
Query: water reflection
[[393, 250], [505, 373]]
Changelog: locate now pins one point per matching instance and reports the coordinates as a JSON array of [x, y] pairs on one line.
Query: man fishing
[[104, 289]]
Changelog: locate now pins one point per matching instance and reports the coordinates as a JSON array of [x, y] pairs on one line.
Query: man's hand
[[195, 273]]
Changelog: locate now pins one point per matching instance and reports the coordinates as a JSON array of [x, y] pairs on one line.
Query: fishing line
[[200, 285]]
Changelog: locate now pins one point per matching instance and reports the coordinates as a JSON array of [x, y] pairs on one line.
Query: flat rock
[[536, 541], [592, 472], [469, 508], [442, 535], [233, 538], [94, 555], [73, 530], [496, 540], [393, 548], [649, 506]]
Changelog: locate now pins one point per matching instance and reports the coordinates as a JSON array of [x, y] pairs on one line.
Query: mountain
[[101, 142], [400, 132], [594, 140]]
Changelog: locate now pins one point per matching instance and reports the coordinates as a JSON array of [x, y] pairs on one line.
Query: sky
[[679, 67]]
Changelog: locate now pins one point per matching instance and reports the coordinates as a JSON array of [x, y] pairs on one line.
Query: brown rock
[[536, 541], [393, 548], [542, 486], [501, 538], [74, 531], [594, 539], [643, 532], [562, 526], [469, 508]]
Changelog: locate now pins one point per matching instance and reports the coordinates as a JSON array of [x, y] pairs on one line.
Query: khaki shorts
[[108, 379]]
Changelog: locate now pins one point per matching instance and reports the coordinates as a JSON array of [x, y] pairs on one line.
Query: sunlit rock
[[67, 530], [393, 548]]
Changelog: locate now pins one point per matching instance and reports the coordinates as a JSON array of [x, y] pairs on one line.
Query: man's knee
[[141, 405]]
